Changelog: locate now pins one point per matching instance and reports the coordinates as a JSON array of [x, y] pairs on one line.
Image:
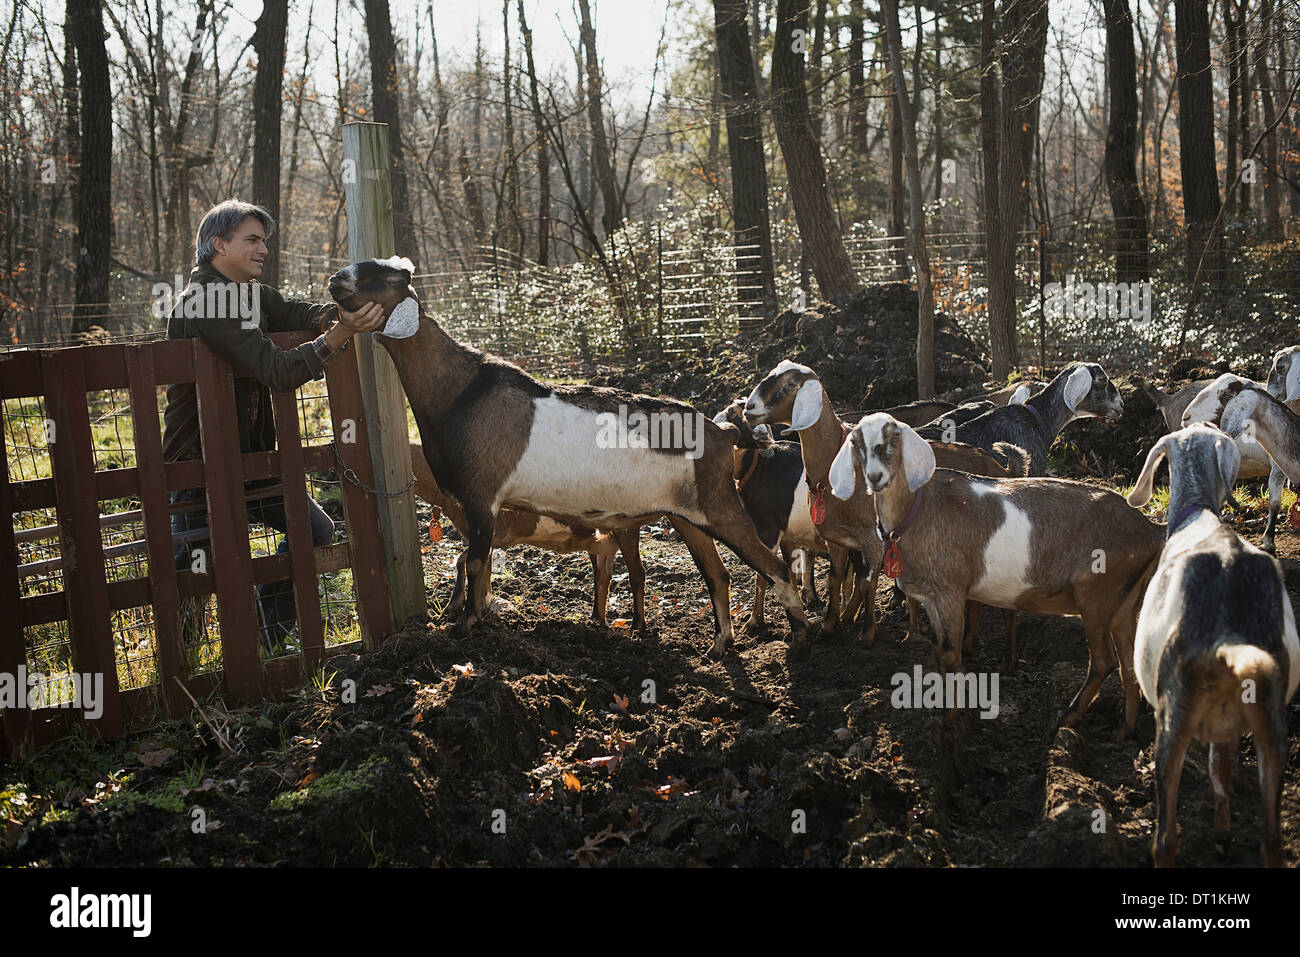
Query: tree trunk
[[601, 155], [1001, 313], [818, 229], [383, 80], [94, 175], [745, 140], [268, 100], [857, 80], [543, 157], [1246, 108], [924, 285], [1196, 141], [1232, 53], [816, 75], [897, 213], [514, 234], [1267, 94], [1132, 254]]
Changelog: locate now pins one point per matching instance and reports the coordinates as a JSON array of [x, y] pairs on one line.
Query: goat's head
[[1212, 403], [745, 436], [1198, 454], [1284, 377], [1087, 391], [886, 449], [791, 394], [385, 281]]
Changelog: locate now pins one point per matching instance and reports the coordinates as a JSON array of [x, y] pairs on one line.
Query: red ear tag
[[1294, 515], [893, 566], [435, 530], [818, 508]]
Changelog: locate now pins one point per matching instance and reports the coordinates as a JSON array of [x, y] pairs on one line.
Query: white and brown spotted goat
[[1041, 545], [1216, 651], [496, 438]]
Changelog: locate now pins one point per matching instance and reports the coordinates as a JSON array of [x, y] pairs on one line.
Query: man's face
[[240, 257]]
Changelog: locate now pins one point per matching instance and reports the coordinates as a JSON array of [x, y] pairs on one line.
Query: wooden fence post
[[370, 234]]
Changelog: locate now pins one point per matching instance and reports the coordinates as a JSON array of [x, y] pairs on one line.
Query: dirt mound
[[863, 349]]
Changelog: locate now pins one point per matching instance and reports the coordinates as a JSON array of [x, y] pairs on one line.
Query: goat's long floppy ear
[[918, 457], [1229, 457], [1019, 396], [842, 477], [1235, 418], [1141, 493], [1077, 386], [404, 321], [1293, 379], [807, 407]]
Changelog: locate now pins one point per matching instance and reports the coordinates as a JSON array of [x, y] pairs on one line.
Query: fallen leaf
[[620, 702], [465, 669], [153, 759], [609, 762], [842, 734], [311, 776], [571, 782], [378, 691], [621, 623]]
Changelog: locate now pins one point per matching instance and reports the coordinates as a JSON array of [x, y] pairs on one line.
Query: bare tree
[[94, 171], [805, 169], [602, 157], [268, 99], [745, 140], [1196, 141], [543, 156], [1132, 253], [383, 79]]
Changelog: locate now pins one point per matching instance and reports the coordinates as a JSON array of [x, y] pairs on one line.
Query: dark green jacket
[[204, 311]]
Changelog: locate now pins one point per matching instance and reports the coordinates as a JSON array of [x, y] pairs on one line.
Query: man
[[232, 313]]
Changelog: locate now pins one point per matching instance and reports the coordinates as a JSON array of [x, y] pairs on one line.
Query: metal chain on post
[[347, 472]]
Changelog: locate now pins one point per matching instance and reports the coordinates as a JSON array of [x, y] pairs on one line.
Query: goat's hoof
[[797, 649], [752, 627], [1070, 719], [460, 629], [1269, 547], [868, 637], [1010, 665], [718, 650], [1124, 733]]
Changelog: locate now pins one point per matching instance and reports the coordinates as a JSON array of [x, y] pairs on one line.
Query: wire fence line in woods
[[646, 293]]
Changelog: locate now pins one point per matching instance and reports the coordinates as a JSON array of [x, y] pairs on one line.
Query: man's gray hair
[[221, 221]]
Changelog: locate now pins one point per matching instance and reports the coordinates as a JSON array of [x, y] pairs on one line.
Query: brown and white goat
[[791, 394], [1041, 545], [517, 527], [497, 438], [1216, 651]]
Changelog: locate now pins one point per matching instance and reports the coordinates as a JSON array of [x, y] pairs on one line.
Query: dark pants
[[275, 598]]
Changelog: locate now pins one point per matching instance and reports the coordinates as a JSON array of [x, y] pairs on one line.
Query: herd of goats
[[952, 502]]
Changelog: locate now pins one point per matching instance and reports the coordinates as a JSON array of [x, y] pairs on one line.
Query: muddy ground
[[536, 742]]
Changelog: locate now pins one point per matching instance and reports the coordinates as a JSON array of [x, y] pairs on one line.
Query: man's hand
[[366, 319]]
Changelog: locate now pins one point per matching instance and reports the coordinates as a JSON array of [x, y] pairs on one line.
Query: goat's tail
[[1013, 458], [1250, 662]]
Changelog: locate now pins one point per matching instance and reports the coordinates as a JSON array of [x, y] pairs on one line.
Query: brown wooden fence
[[62, 378]]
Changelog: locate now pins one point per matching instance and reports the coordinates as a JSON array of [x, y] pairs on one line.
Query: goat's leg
[[839, 563], [972, 625], [1173, 734], [732, 526], [709, 562], [457, 600], [1123, 633], [913, 617], [602, 570], [756, 616], [1012, 661], [1223, 755], [1101, 662], [629, 543], [868, 637], [1268, 723], [1276, 482], [480, 525]]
